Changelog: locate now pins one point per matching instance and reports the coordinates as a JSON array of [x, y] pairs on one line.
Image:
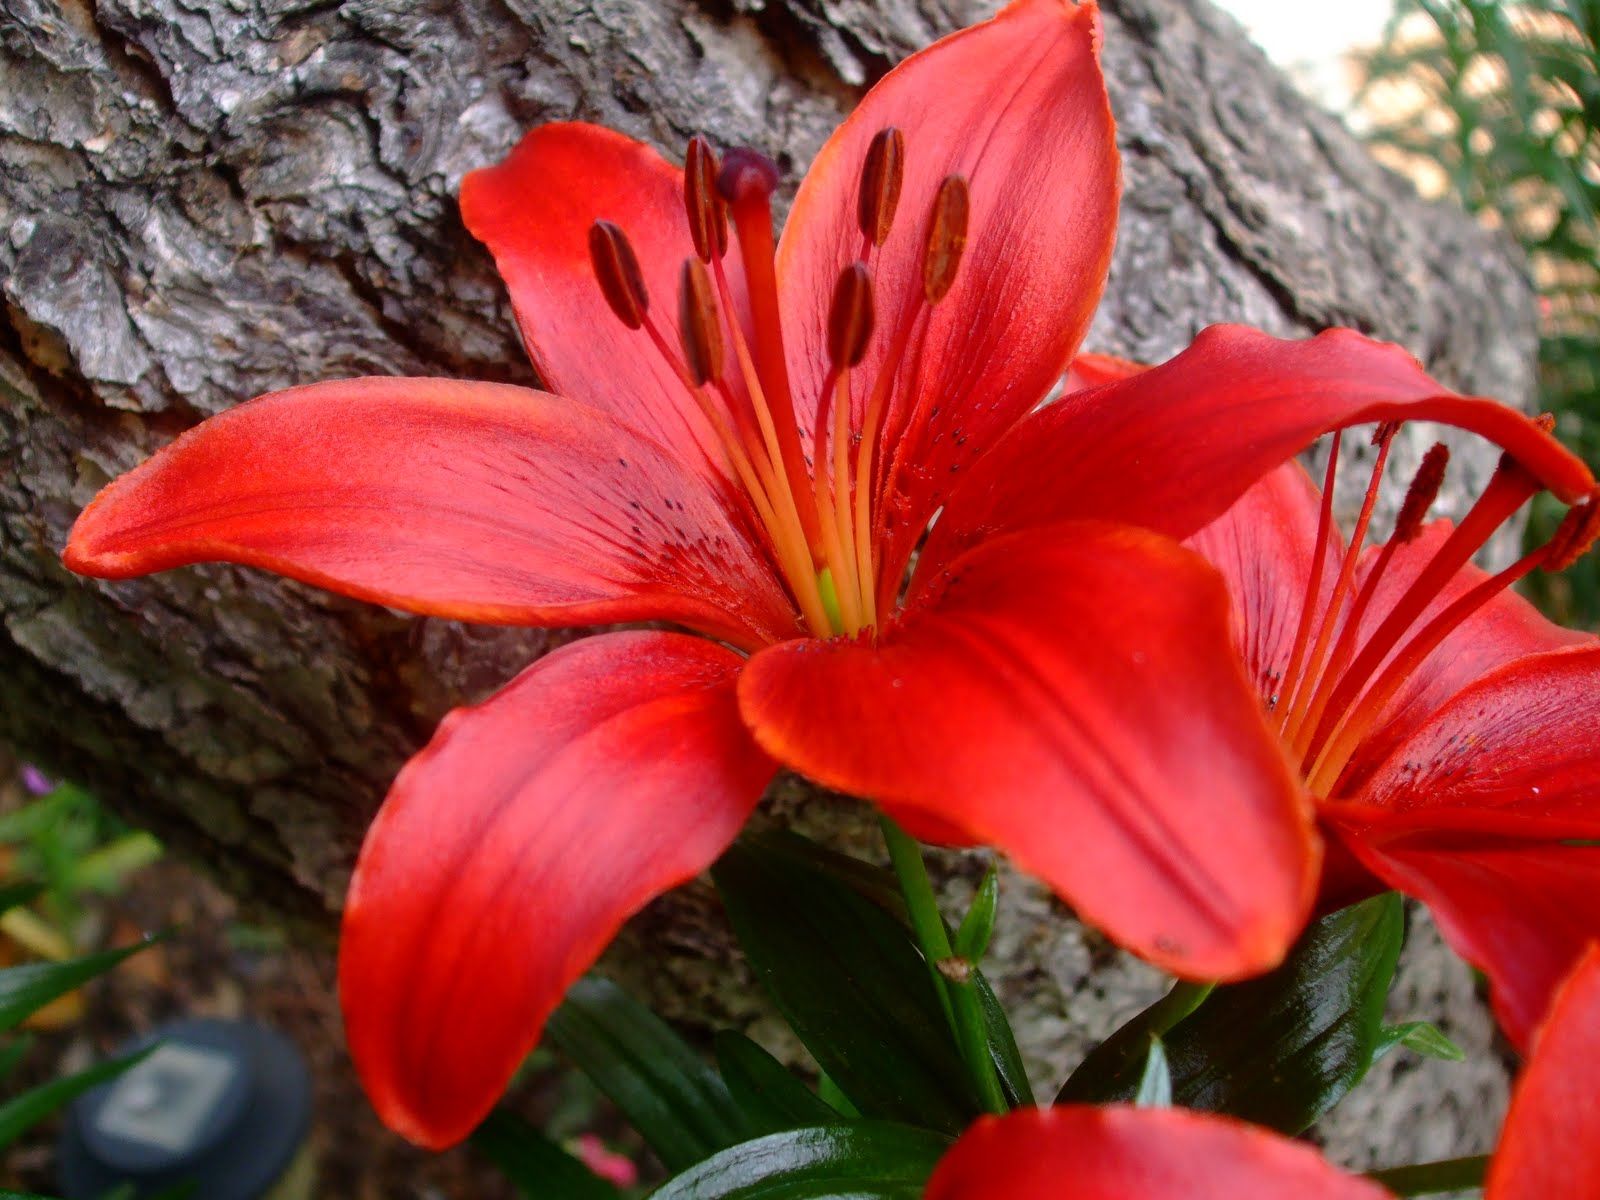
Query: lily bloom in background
[[1549, 1147], [749, 441], [1445, 727]]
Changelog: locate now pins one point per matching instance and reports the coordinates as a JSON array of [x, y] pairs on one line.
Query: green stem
[[1423, 1179], [962, 1003]]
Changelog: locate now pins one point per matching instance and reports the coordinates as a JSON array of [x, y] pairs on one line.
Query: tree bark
[[202, 202]]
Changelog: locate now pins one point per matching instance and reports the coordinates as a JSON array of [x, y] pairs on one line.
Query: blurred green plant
[[1498, 101]]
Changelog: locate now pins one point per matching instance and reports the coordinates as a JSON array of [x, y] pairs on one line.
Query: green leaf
[[849, 979], [13, 1054], [977, 927], [1423, 1037], [1283, 1049], [870, 1160], [15, 895], [21, 1113], [1428, 1179], [536, 1166], [1003, 1046], [26, 989], [1109, 1070], [769, 1097], [1155, 1085], [672, 1097]]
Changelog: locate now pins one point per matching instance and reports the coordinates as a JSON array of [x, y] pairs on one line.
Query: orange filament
[[817, 515]]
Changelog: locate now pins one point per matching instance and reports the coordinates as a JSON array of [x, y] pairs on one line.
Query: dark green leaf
[[1155, 1085], [21, 1113], [16, 894], [539, 1169], [675, 1101], [1428, 1179], [849, 979], [769, 1097], [1003, 1046], [869, 1160], [1422, 1037], [26, 989], [1283, 1049], [1111, 1069]]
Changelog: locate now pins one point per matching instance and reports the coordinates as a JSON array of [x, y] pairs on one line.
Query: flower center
[[1336, 685], [815, 510]]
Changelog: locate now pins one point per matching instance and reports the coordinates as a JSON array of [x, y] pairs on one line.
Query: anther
[[1578, 531], [947, 238], [746, 174], [1384, 431], [617, 269], [708, 220], [698, 323], [1424, 490], [881, 176], [850, 318]]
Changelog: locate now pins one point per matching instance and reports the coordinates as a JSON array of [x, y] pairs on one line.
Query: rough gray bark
[[201, 202]]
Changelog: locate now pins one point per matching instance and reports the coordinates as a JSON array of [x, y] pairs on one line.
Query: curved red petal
[[1503, 630], [1119, 1153], [1072, 699], [476, 501], [1551, 1142], [1172, 447], [1264, 547], [1016, 105], [534, 211], [513, 847], [1488, 812]]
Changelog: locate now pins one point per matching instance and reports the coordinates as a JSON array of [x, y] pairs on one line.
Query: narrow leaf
[[675, 1101], [869, 1160], [849, 979], [1108, 1071], [536, 1166], [28, 988], [770, 1098], [1423, 1037], [1155, 1085], [21, 1113], [1003, 1046], [977, 927]]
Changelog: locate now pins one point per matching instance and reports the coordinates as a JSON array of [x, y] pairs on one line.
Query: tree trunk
[[201, 202]]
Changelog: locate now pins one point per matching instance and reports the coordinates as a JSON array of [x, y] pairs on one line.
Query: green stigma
[[830, 599]]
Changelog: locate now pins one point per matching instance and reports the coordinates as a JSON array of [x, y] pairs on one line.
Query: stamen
[[697, 318], [947, 238], [1424, 490], [1289, 685], [882, 173], [850, 317], [708, 219], [1578, 531], [617, 269]]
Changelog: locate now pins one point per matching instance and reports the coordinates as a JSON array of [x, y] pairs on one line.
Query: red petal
[[1505, 629], [1477, 812], [476, 501], [1264, 546], [513, 847], [1018, 106], [534, 211], [1119, 1153], [1173, 447], [1551, 1142], [1071, 699]]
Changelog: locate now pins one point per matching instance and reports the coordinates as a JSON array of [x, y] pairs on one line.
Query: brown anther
[[746, 174], [1424, 490], [617, 269], [1384, 431], [850, 317], [698, 323], [708, 219], [947, 238], [1578, 531], [881, 176], [1546, 422]]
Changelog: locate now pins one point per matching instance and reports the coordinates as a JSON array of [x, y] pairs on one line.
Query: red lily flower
[[1550, 1145], [1054, 679], [1445, 727]]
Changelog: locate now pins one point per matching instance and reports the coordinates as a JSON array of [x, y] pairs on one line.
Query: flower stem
[[963, 1005], [1424, 1179]]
